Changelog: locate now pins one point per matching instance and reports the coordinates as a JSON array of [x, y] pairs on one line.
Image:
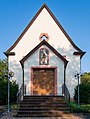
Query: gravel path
[[70, 116]]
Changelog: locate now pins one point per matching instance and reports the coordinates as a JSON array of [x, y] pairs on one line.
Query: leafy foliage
[[84, 89], [13, 91], [4, 84], [3, 68], [84, 93], [85, 108], [3, 91], [85, 78]]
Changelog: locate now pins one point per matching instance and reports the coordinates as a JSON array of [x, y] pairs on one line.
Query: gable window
[[44, 36], [43, 56]]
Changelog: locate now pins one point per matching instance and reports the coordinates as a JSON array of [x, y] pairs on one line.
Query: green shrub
[[4, 84], [13, 92], [4, 92], [85, 108], [84, 93]]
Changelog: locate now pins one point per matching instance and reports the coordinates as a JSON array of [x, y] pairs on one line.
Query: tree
[[84, 89], [85, 78], [3, 68], [84, 93], [13, 91], [4, 84], [3, 91]]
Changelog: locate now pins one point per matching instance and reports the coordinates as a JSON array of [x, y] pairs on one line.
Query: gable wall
[[45, 24]]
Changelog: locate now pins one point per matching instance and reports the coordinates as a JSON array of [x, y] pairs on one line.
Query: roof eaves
[[9, 53], [79, 53]]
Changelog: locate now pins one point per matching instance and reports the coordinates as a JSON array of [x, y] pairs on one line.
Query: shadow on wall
[[17, 69], [72, 66]]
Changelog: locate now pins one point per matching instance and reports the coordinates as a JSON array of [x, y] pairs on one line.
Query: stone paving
[[7, 115]]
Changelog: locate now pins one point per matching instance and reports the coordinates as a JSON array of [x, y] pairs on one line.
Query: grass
[[83, 108], [14, 106]]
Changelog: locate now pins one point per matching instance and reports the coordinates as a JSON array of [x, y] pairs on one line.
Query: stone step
[[47, 102], [43, 97], [59, 116], [44, 113], [42, 100], [43, 108], [36, 106], [43, 104]]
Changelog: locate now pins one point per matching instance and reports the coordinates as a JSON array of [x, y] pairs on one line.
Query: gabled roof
[[56, 21], [49, 46]]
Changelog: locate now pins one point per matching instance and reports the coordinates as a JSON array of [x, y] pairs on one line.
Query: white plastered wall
[[54, 61], [45, 24]]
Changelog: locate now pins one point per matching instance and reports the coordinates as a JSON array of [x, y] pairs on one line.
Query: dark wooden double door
[[43, 81]]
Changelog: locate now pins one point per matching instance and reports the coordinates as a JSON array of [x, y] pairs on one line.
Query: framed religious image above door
[[44, 56]]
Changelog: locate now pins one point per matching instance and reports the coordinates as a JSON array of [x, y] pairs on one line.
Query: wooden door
[[43, 81]]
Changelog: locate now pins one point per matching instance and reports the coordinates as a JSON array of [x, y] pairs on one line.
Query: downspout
[[23, 77], [65, 76]]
